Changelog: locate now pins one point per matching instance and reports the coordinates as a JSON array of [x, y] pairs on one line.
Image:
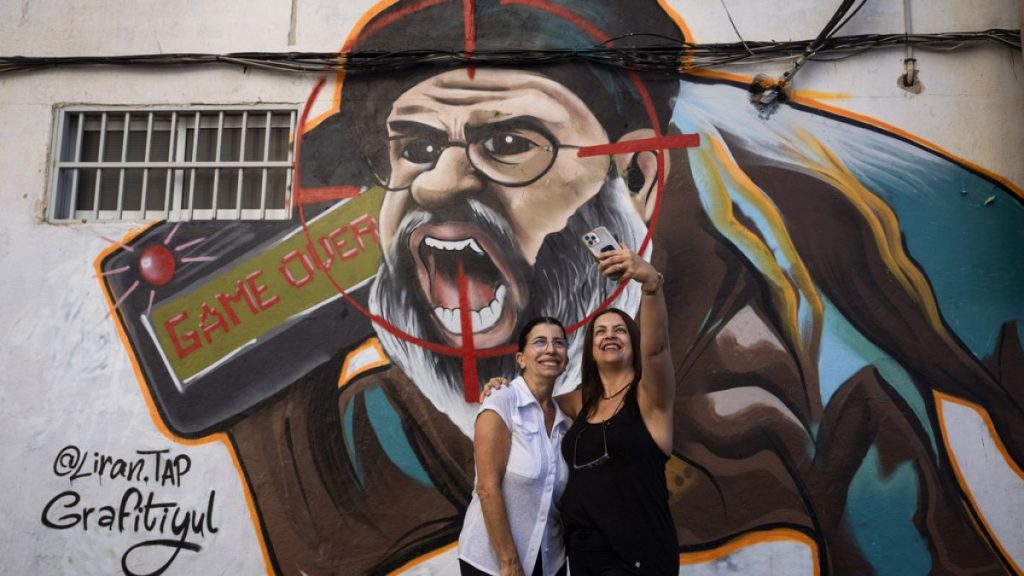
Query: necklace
[[618, 406], [610, 396]]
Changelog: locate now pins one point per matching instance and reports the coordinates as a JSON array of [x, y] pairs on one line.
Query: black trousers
[[591, 555]]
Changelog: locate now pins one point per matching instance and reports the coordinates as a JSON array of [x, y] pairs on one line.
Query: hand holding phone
[[598, 241]]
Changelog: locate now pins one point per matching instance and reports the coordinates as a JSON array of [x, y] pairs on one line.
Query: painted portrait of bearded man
[[811, 346]]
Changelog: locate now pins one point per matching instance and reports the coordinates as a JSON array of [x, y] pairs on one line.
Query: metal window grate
[[194, 164]]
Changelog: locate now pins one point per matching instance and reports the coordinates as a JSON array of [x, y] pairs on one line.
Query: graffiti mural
[[832, 335]]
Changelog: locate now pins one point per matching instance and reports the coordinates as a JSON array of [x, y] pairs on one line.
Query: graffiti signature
[[137, 511]]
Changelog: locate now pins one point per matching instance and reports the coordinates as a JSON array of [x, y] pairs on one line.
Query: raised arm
[[657, 387], [491, 445]]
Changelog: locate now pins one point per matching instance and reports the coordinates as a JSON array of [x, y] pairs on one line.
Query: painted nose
[[452, 179]]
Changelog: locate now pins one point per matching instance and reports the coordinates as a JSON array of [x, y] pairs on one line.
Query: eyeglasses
[[541, 343], [600, 459], [509, 155]]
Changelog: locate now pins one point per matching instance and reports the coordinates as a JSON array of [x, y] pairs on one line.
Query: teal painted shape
[[964, 230], [880, 513], [388, 428], [844, 351], [350, 444]]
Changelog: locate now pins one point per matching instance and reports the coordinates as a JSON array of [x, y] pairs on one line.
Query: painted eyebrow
[[412, 128], [528, 122], [412, 109]]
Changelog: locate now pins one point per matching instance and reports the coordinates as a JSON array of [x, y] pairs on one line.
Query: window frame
[[180, 180]]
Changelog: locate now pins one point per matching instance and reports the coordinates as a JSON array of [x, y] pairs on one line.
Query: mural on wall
[[836, 292]]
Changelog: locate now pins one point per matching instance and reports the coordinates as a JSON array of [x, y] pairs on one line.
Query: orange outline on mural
[[997, 441], [353, 34], [154, 414], [939, 396], [379, 7], [802, 98], [373, 343], [753, 538]]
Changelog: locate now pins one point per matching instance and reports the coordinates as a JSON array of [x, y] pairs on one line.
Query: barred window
[[191, 164]]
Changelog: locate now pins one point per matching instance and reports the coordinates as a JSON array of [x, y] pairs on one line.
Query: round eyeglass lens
[[511, 157]]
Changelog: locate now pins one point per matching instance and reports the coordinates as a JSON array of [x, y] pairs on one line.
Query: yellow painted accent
[[810, 102], [819, 95], [371, 344], [719, 75], [884, 227], [722, 213], [783, 292], [804, 98], [800, 275]]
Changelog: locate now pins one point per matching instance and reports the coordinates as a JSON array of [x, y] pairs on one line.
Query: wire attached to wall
[[764, 93], [663, 58]]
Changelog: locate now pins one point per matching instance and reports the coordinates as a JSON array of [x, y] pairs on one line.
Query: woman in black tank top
[[615, 505]]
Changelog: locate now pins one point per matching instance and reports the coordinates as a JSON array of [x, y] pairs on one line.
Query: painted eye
[[421, 151], [509, 144]]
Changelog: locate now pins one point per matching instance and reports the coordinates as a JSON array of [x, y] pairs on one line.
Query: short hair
[[616, 97], [524, 333]]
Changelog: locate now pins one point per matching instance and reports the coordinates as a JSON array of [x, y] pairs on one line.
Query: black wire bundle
[[663, 58], [764, 93]]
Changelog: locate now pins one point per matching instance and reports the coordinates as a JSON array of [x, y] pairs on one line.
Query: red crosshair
[[468, 353]]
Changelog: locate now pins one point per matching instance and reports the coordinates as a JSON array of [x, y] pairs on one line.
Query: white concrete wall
[[66, 379]]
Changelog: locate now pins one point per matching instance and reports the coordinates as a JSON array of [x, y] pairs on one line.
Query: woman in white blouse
[[512, 527]]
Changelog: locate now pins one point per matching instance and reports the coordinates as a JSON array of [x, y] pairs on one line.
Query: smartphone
[[600, 240]]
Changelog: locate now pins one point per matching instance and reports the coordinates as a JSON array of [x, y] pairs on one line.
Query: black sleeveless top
[[624, 498]]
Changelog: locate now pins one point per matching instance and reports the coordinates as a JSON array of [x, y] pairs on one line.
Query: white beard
[[567, 286]]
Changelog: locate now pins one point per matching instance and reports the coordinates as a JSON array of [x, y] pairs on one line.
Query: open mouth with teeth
[[492, 294], [611, 346]]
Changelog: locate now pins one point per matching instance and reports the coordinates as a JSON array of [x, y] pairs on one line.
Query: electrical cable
[[848, 18], [764, 93], [661, 58]]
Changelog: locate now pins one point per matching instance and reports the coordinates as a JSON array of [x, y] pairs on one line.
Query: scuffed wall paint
[[849, 374]]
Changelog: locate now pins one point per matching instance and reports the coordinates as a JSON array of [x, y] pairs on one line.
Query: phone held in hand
[[600, 240]]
